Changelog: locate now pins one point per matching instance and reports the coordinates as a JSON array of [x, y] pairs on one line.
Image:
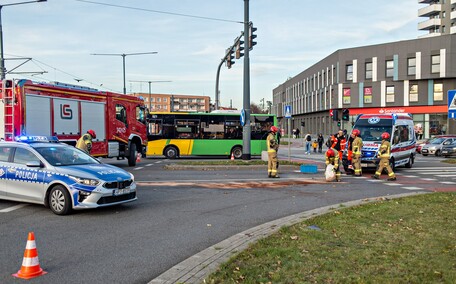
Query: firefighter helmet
[[274, 129], [385, 135], [330, 153], [92, 133], [356, 132]]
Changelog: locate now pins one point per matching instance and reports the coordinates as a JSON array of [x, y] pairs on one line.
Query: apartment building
[[411, 76], [439, 17], [167, 102]]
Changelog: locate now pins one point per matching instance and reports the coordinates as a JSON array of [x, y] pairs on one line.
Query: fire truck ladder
[[8, 100]]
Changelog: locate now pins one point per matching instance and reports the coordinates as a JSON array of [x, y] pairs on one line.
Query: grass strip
[[407, 240]]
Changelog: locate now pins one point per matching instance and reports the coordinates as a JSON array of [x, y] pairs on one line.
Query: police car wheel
[[60, 200]]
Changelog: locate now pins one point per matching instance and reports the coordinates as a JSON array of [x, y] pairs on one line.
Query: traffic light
[[346, 114], [338, 123], [229, 57], [239, 48], [335, 115], [303, 123], [252, 36]]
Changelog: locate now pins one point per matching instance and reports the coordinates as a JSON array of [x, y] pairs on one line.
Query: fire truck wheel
[[171, 152], [132, 156], [60, 200]]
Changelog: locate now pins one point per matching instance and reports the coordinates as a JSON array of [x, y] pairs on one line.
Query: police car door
[[4, 156], [25, 178]]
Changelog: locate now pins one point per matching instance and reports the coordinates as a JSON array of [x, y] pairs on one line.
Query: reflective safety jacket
[[271, 142], [385, 150], [357, 145], [333, 160], [85, 143]]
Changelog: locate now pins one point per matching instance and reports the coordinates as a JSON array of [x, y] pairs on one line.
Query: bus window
[[155, 127], [187, 128], [233, 130], [260, 126], [213, 127]]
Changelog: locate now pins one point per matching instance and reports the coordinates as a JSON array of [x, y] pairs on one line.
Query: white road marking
[[429, 179], [447, 182], [9, 209], [412, 188], [138, 168], [411, 176], [393, 184], [445, 175]]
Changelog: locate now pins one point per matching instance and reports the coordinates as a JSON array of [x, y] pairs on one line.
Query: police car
[[41, 170]]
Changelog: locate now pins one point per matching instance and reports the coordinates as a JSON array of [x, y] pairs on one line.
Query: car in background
[[435, 145], [421, 143], [38, 169], [449, 150]]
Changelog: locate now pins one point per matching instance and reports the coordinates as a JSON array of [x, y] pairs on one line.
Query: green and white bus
[[176, 135]]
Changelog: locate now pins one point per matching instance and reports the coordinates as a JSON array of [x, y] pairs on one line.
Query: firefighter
[[339, 142], [85, 142], [273, 146], [356, 146], [332, 157], [384, 154]]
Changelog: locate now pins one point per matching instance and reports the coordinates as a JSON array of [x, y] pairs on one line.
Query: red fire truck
[[68, 111]]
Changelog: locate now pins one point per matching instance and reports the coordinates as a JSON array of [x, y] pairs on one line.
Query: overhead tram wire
[[161, 12]]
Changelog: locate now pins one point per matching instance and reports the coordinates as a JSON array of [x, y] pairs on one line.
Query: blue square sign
[[288, 111], [452, 104]]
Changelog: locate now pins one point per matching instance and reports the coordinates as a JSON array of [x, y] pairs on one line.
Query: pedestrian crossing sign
[[287, 111], [452, 103]]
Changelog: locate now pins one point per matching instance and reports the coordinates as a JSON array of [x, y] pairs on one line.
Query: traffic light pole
[[246, 131]]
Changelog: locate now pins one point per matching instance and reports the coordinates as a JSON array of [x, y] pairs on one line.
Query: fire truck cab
[[68, 111]]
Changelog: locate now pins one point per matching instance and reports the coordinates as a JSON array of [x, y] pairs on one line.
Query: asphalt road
[[181, 212]]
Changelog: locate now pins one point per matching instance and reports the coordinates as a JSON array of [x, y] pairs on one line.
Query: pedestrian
[[320, 141], [273, 146], [308, 140], [332, 157], [315, 145], [294, 133], [297, 132], [384, 154], [339, 142], [356, 146], [85, 142]]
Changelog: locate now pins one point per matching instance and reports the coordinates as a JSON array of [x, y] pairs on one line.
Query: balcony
[[453, 15], [430, 10], [453, 30], [429, 35], [453, 2], [429, 24]]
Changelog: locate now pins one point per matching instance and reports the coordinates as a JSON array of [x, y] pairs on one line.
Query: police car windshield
[[373, 132], [65, 156]]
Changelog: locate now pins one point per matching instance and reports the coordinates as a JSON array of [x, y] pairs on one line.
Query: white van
[[400, 128]]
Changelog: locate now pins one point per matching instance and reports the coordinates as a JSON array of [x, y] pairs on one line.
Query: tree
[[254, 108]]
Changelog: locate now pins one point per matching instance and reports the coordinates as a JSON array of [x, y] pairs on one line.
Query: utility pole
[[246, 131]]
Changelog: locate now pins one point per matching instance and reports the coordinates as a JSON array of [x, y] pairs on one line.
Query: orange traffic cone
[[138, 158], [232, 157], [30, 264]]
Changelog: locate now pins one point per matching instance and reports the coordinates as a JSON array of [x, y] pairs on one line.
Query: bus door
[[155, 138]]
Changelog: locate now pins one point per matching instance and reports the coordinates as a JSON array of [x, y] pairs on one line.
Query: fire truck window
[[141, 114], [121, 113]]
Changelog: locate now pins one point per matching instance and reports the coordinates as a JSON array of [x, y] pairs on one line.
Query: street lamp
[[123, 60], [2, 59], [150, 93]]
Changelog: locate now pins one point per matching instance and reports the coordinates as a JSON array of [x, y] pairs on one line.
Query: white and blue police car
[[39, 169]]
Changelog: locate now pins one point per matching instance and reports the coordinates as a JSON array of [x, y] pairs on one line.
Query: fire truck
[[68, 111]]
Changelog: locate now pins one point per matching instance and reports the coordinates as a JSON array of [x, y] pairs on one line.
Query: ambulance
[[402, 139]]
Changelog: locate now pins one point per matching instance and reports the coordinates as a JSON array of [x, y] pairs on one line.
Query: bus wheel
[[237, 152], [171, 152]]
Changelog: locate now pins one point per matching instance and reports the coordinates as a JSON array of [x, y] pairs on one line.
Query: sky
[[190, 38]]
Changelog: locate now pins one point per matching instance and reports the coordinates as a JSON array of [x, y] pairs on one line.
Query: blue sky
[[61, 35]]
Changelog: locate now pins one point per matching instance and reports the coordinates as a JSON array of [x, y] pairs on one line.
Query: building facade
[[411, 76], [183, 103], [439, 15]]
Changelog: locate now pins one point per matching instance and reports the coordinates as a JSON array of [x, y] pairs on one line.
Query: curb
[[197, 267]]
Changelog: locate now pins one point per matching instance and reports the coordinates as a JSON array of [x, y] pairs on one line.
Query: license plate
[[444, 152], [363, 165], [424, 151], [122, 191]]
